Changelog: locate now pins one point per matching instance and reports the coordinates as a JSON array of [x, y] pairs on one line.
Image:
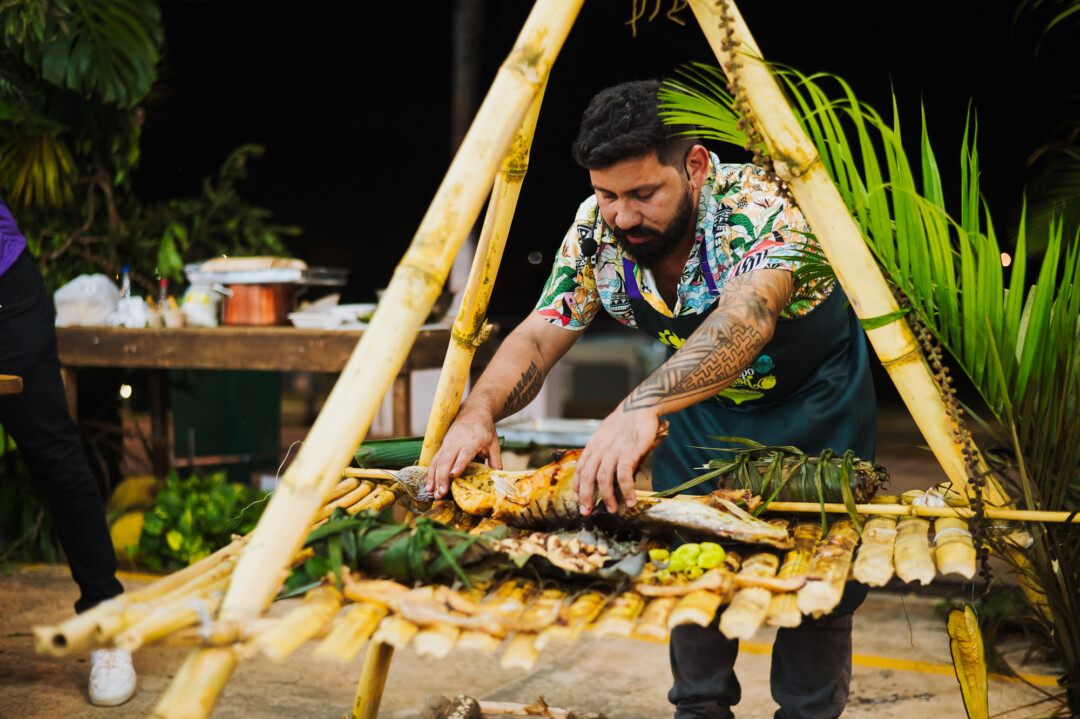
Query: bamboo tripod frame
[[510, 106]]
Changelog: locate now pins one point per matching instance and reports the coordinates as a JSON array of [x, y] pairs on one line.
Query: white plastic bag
[[86, 300]]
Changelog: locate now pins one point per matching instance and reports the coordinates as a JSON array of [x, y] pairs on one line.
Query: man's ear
[[697, 165]]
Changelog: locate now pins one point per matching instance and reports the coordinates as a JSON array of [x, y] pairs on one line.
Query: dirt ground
[[901, 670], [902, 666]]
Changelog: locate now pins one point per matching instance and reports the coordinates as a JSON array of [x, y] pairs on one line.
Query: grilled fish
[[545, 499]]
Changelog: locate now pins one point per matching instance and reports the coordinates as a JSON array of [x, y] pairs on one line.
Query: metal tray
[[549, 431], [324, 276]]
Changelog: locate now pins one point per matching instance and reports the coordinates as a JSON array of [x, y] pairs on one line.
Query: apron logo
[[670, 339], [745, 388]]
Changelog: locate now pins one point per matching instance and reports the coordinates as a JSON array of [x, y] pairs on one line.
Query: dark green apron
[[810, 387]]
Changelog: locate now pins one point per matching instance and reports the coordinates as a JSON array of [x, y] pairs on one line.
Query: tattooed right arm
[[512, 380]]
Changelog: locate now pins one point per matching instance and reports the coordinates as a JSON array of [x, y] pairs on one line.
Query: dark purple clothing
[[12, 242]]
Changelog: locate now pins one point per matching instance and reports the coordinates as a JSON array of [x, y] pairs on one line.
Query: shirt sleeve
[[766, 231], [570, 298]]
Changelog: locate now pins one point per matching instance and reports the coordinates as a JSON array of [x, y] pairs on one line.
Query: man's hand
[[472, 434], [612, 455]]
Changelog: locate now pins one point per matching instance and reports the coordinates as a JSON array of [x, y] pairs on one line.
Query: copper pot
[[259, 304]]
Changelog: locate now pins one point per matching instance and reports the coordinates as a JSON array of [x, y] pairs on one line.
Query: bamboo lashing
[[796, 162]]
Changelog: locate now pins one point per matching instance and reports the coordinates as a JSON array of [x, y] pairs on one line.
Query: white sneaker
[[112, 678]]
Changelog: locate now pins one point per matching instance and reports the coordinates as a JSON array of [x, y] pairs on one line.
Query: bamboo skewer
[[436, 641], [350, 632], [653, 623], [1018, 515], [874, 558], [347, 500], [828, 570], [319, 607], [911, 552], [954, 550], [618, 619], [784, 608], [78, 632], [698, 607], [521, 652], [748, 608], [169, 619], [585, 608], [797, 164]]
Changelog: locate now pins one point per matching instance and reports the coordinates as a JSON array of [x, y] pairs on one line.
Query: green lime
[[659, 555]]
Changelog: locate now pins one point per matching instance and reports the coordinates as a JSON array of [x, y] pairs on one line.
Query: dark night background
[[353, 103]]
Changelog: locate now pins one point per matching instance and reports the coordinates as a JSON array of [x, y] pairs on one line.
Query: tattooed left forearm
[[721, 348], [524, 391]]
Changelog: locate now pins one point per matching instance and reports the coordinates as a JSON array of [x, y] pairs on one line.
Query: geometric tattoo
[[722, 347], [525, 391]]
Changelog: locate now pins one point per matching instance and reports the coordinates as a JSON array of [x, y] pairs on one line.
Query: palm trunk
[[797, 164]]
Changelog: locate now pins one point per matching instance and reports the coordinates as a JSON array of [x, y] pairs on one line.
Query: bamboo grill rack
[[242, 579], [179, 609]]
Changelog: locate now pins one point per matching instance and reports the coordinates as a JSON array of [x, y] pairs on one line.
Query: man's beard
[[661, 243]]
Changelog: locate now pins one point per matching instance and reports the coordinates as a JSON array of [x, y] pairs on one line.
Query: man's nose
[[626, 216]]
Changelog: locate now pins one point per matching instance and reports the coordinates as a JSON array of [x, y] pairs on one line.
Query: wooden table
[[236, 348]]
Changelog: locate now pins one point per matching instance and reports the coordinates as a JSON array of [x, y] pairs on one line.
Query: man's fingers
[[494, 454], [606, 481], [626, 482]]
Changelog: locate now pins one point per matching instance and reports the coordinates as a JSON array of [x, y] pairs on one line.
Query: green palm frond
[[1016, 337], [37, 170], [701, 100], [107, 48]]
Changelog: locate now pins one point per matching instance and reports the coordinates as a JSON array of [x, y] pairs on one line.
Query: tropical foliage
[[1017, 338], [194, 517], [75, 76]]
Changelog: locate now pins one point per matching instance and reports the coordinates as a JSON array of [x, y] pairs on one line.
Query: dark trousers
[[46, 435], [811, 667]]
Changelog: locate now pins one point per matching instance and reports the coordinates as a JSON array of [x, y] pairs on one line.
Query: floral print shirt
[[743, 221]]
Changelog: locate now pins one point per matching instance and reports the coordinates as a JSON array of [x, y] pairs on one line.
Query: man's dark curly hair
[[623, 122]]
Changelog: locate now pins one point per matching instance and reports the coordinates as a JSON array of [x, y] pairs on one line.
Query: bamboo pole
[[348, 635], [78, 632], [372, 680], [796, 162], [1018, 515], [417, 281], [471, 327], [306, 621]]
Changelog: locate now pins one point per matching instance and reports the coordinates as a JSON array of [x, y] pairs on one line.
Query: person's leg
[[703, 668], [46, 435], [811, 663]]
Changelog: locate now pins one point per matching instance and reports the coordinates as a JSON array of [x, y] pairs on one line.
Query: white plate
[[310, 320]]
